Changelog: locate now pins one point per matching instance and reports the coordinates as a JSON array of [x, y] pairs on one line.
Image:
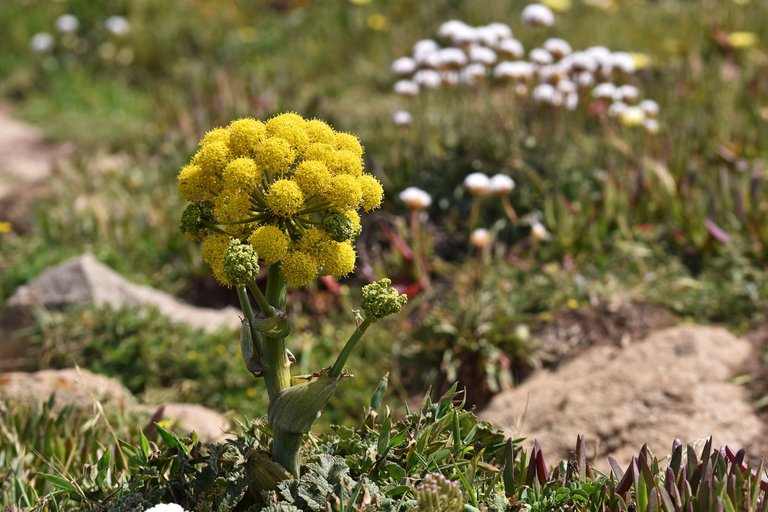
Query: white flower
[[650, 107], [406, 88], [423, 49], [473, 73], [427, 78], [511, 47], [118, 26], [415, 198], [651, 126], [538, 15], [605, 90], [42, 42], [623, 62], [539, 232], [566, 86], [501, 30], [482, 54], [541, 56], [518, 70], [585, 79], [448, 28], [450, 77], [582, 61], [477, 183], [501, 184], [627, 93], [616, 108], [67, 23], [402, 118], [480, 238], [557, 47], [166, 507], [571, 101], [450, 57], [465, 35], [544, 93], [404, 66]]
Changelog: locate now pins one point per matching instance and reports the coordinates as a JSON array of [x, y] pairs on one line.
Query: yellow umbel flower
[[319, 131], [192, 184], [313, 242], [284, 198], [338, 259], [343, 193], [241, 173], [274, 155], [346, 162], [373, 192], [270, 242], [320, 151], [215, 135], [349, 142], [213, 250], [298, 268], [244, 134], [213, 157], [232, 205], [290, 127], [312, 176]]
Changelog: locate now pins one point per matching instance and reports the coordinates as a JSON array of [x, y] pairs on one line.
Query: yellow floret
[[319, 131], [192, 184], [213, 250], [290, 127], [232, 205], [338, 259], [346, 162], [241, 173], [298, 268], [270, 243], [244, 134], [214, 135], [314, 242], [321, 152], [373, 192], [284, 198], [349, 142], [312, 176], [343, 192], [274, 155], [213, 157]]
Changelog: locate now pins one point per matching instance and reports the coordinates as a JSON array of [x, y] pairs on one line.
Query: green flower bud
[[241, 263], [380, 299], [195, 217], [438, 494], [339, 227]]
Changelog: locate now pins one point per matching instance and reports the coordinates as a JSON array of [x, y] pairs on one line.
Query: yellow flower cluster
[[290, 187]]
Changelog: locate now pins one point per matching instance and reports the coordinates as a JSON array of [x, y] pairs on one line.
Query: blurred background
[[616, 153]]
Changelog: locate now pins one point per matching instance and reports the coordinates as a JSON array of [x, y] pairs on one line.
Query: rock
[[207, 423], [80, 389], [674, 384], [73, 387], [84, 280]]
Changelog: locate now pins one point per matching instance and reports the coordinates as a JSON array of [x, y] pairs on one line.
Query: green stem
[[420, 266], [217, 229], [341, 360], [261, 300], [277, 368], [286, 450], [276, 287], [245, 306]]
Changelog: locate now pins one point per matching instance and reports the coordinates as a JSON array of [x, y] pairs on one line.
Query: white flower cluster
[[415, 198], [43, 42], [552, 74], [166, 507], [478, 184]]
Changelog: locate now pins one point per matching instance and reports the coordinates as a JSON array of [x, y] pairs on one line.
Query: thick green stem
[[341, 360], [286, 450]]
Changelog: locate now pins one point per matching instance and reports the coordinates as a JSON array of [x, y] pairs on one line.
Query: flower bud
[[380, 299], [339, 227], [195, 217], [241, 263]]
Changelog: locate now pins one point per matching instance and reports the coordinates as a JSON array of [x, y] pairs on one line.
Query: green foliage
[[155, 359]]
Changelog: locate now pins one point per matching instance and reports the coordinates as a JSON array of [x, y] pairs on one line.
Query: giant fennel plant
[[283, 194]]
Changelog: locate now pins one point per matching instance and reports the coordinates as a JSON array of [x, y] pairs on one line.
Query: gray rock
[[84, 280], [674, 384], [207, 423]]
